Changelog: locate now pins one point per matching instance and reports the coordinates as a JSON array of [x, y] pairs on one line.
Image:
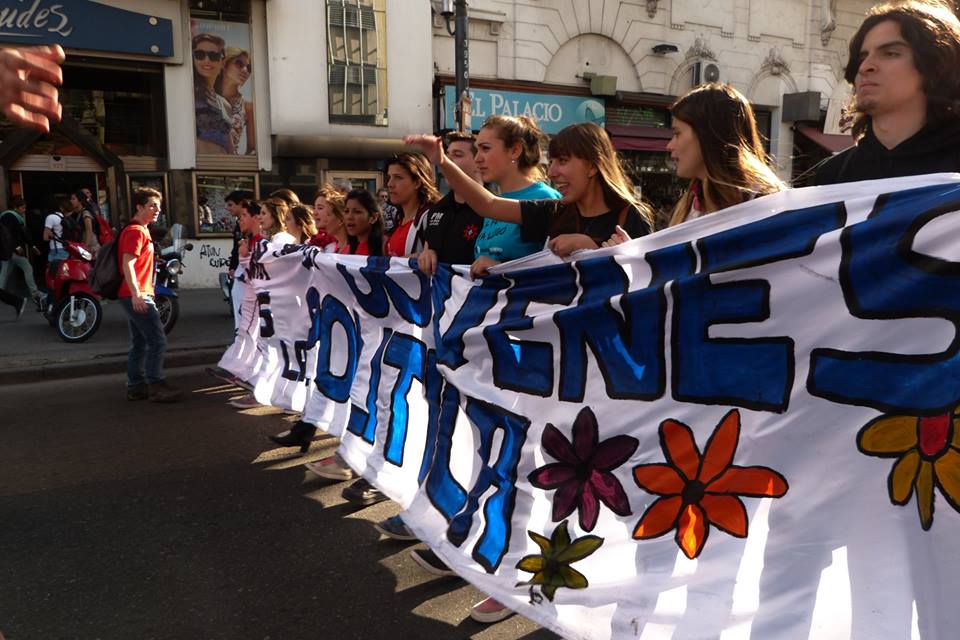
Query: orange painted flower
[[697, 491], [928, 454]]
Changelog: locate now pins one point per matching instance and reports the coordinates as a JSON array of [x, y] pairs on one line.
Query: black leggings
[[10, 299]]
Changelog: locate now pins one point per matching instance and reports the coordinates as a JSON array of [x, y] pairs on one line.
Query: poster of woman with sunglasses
[[223, 91]]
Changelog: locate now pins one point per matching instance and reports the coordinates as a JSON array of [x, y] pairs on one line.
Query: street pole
[[462, 54]]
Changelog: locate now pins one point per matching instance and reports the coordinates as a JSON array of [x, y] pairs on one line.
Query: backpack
[[8, 244], [101, 227], [105, 276], [72, 229]]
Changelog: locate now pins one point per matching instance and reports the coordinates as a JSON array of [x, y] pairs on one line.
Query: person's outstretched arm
[[479, 199], [29, 77]]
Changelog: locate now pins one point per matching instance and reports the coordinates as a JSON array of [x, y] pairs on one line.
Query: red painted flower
[[697, 491], [583, 477]]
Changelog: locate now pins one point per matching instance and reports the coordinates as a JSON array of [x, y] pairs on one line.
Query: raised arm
[[479, 199]]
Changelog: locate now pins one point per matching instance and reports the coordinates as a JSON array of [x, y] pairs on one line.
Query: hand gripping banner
[[741, 427]]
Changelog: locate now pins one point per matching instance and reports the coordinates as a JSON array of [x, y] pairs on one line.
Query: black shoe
[[163, 392], [431, 563], [138, 392], [300, 435], [362, 492]]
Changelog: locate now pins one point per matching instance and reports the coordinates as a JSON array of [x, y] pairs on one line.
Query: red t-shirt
[[397, 244], [135, 239]]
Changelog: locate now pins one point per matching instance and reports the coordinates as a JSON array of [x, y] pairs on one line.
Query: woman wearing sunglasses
[[214, 122], [236, 72]]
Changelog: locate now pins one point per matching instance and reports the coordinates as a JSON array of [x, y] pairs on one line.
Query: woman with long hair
[[361, 217], [597, 196], [235, 73], [328, 217], [508, 153], [214, 122], [413, 189], [273, 213], [717, 147], [287, 195], [299, 223]]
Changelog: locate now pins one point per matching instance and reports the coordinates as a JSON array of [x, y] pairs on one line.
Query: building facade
[[635, 57]]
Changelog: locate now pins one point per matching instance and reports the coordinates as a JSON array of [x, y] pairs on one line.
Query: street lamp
[[457, 9]]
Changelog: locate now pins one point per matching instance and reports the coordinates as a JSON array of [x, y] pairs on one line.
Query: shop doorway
[[44, 189]]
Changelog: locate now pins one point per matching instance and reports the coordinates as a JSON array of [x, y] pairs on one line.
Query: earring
[[513, 161]]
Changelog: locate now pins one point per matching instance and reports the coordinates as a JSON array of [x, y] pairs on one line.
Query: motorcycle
[[71, 307], [169, 268]]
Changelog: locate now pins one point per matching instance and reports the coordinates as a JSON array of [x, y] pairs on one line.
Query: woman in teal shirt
[[508, 153]]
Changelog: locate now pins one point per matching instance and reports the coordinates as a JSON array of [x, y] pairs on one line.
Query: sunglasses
[[212, 56], [238, 63]]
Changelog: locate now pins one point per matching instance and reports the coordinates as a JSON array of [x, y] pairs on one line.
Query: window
[[357, 61], [212, 217]]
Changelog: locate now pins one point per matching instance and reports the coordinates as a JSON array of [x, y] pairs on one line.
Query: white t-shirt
[[54, 222]]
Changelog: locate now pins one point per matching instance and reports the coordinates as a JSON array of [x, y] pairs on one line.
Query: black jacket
[[933, 149], [17, 230]]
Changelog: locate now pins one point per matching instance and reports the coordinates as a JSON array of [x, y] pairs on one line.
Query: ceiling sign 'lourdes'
[[84, 24]]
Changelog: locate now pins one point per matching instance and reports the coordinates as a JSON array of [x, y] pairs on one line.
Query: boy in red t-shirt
[[148, 342]]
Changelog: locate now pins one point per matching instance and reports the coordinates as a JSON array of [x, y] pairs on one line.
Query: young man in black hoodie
[[903, 66]]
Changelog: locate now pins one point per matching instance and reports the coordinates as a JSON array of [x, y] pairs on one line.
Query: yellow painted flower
[[927, 449]]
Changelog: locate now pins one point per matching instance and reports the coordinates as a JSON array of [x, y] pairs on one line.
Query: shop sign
[[551, 112], [83, 24]]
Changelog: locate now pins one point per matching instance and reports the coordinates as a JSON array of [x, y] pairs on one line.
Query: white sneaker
[[332, 468], [489, 611], [246, 401]]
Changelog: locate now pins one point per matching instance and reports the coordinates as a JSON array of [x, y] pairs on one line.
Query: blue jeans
[[147, 344], [22, 263]]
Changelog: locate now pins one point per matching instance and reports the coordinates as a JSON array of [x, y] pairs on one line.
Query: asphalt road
[[130, 520]]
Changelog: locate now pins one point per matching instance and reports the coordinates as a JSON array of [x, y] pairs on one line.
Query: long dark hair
[[932, 30], [375, 239], [418, 168], [733, 155], [590, 143], [201, 93]]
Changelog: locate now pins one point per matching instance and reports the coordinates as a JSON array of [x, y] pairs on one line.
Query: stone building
[[636, 56]]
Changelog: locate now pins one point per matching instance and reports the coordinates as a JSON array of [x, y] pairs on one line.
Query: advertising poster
[[223, 87]]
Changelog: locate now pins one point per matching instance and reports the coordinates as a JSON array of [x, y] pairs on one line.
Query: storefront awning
[[831, 142], [639, 138]]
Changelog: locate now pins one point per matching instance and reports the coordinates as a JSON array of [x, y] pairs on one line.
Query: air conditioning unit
[[701, 73]]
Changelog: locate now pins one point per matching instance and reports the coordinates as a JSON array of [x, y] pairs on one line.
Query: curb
[[188, 357]]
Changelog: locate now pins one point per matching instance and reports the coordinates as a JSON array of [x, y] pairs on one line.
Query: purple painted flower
[[582, 477]]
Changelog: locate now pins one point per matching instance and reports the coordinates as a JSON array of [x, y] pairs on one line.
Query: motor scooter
[[169, 268], [71, 307]]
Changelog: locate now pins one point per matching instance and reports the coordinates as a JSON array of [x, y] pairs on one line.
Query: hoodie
[[933, 149]]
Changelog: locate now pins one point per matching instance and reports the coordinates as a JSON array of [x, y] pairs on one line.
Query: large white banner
[[740, 427]]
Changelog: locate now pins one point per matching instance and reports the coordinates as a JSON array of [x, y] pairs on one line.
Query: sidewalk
[[30, 349]]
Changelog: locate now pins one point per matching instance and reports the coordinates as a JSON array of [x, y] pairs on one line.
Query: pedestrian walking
[[906, 103], [145, 377], [15, 224]]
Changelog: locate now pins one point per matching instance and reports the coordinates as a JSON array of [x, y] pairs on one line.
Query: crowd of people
[[906, 120]]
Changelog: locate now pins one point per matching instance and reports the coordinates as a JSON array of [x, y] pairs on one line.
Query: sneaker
[[20, 307], [362, 492], [431, 563], [489, 611], [395, 529], [138, 392], [163, 392], [220, 374], [246, 401], [332, 468]]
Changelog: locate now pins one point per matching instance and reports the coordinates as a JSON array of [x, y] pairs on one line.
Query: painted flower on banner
[[699, 490], [582, 476], [551, 567], [928, 455]]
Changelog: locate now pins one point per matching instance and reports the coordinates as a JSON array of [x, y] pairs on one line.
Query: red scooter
[[71, 307]]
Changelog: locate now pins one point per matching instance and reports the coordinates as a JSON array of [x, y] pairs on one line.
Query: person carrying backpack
[[15, 246], [90, 226], [59, 227], [145, 378]]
